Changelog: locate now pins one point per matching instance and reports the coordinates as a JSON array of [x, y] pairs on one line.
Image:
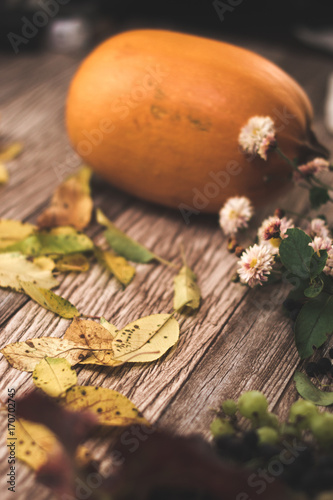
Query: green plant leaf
[[186, 291], [295, 252], [15, 268], [318, 196], [314, 323], [50, 300], [307, 390], [123, 244], [314, 289], [54, 376], [52, 243], [317, 263]]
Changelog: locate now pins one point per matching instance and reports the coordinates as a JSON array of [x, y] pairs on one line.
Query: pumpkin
[[158, 114]]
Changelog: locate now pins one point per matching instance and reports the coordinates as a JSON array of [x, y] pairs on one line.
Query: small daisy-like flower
[[257, 136], [255, 264], [328, 269], [311, 168], [272, 231], [235, 214], [320, 243], [318, 227]]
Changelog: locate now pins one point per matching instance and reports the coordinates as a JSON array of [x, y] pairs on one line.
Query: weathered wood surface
[[239, 340]]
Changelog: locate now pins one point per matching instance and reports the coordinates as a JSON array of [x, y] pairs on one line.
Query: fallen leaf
[[10, 152], [45, 263], [49, 300], [124, 245], [110, 407], [63, 243], [71, 203], [54, 376], [15, 229], [186, 291], [4, 176], [95, 337], [26, 355], [112, 329], [34, 443], [117, 265], [146, 339], [15, 268], [76, 262]]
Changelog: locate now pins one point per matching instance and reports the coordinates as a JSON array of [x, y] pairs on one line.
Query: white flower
[[255, 264], [311, 168], [318, 227], [320, 243], [235, 214], [272, 231], [257, 136], [328, 269]]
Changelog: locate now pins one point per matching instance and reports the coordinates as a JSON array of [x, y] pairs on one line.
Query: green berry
[[269, 420], [229, 407], [289, 430], [267, 435], [321, 426], [252, 404], [220, 427], [301, 413]]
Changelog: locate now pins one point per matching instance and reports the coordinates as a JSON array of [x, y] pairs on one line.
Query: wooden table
[[239, 340]]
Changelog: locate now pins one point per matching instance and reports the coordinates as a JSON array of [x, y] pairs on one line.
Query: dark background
[[254, 18]]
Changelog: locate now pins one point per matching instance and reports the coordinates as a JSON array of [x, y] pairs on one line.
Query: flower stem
[[298, 215], [285, 158]]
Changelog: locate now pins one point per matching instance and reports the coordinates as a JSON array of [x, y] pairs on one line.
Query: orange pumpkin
[[158, 115]]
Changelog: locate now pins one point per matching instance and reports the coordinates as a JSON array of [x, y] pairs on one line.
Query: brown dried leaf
[[71, 203]]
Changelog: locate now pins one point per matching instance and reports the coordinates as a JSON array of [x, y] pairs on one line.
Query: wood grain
[[238, 340]]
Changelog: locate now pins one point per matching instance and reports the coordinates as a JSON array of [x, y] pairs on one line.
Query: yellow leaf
[[4, 176], [34, 443], [26, 355], [45, 263], [11, 152], [110, 327], [117, 265], [71, 203], [96, 338], [146, 339], [15, 268], [186, 291], [49, 300], [110, 407], [76, 262], [54, 376], [15, 230]]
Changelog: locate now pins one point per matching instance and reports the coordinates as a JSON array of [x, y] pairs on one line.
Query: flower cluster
[[255, 265], [272, 231]]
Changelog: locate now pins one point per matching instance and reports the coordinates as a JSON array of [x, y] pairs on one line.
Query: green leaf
[[314, 289], [50, 243], [123, 244], [314, 323], [15, 268], [54, 376], [318, 196], [307, 390], [295, 252], [186, 291], [318, 263], [50, 300]]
